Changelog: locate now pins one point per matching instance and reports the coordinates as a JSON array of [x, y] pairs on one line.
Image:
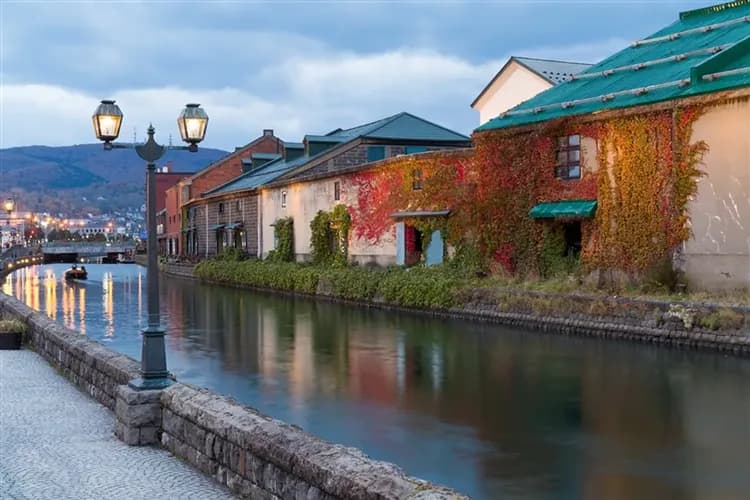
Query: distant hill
[[86, 172]]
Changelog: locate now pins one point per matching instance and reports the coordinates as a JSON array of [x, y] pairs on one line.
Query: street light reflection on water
[[491, 411]]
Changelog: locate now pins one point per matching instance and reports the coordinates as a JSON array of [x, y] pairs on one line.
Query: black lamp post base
[[150, 384]]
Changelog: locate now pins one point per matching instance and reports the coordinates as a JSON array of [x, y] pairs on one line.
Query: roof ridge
[[711, 9], [243, 175], [384, 120], [406, 113], [552, 60]]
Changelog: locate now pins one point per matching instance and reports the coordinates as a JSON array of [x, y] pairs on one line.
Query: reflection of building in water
[[302, 379], [31, 287], [108, 293], [267, 338], [50, 293], [373, 376], [82, 310], [69, 305]]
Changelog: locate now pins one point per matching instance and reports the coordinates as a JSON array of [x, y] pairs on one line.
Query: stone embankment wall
[[178, 269], [681, 324], [254, 455], [263, 458]]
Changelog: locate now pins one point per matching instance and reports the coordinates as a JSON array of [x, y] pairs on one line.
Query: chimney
[[267, 132]]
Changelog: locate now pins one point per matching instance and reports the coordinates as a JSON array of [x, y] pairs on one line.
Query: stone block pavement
[[58, 443]]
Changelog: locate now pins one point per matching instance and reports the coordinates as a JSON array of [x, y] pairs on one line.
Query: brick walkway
[[58, 443]]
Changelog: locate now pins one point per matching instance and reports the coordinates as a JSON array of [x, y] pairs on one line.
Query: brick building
[[215, 174]]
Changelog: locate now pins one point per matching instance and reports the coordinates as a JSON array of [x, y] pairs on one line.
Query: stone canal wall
[[679, 323], [263, 458], [254, 455]]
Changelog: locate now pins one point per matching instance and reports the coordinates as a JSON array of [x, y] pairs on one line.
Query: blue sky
[[296, 67]]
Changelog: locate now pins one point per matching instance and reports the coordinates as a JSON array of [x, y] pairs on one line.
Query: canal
[[491, 411]]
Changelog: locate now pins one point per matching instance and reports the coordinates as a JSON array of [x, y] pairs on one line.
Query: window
[[375, 153], [416, 179], [568, 157], [283, 199], [237, 205], [336, 191], [221, 208], [415, 149]]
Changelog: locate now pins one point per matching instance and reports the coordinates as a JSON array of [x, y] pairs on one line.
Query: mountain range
[[83, 178]]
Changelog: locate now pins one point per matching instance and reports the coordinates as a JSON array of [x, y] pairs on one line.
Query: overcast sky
[[296, 67]]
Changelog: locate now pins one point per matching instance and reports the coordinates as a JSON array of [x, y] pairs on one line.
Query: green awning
[[217, 227], [562, 209], [236, 225]]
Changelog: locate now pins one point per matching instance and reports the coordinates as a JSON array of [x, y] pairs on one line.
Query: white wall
[[515, 85], [304, 200], [717, 256]]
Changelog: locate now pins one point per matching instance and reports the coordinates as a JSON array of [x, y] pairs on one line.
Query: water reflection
[[493, 412]]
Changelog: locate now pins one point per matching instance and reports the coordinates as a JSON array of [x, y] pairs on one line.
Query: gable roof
[[551, 70], [234, 153], [256, 178], [706, 50], [402, 126]]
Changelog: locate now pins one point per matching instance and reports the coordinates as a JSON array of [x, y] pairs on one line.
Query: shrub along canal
[[491, 411]]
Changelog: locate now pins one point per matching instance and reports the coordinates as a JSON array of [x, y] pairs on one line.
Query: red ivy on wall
[[642, 170]]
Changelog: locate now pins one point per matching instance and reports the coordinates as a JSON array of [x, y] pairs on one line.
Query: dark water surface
[[491, 411]]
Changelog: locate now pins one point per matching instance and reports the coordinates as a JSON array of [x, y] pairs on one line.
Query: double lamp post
[[192, 123]]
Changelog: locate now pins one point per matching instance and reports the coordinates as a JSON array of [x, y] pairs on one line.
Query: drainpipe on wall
[[259, 229]]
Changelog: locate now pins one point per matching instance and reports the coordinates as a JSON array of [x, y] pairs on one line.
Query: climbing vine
[[642, 170], [283, 232], [329, 236]]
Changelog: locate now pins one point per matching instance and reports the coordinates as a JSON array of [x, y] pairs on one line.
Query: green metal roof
[[706, 50], [562, 209], [402, 126]]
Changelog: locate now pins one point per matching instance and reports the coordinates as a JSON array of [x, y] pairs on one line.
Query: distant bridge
[[72, 251]]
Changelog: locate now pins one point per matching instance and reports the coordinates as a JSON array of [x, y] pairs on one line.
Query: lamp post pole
[[154, 374], [192, 123]]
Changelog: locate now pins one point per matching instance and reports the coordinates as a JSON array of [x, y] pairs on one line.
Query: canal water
[[491, 411]]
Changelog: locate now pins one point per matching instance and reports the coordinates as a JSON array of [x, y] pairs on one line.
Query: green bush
[[415, 287], [431, 287], [12, 326], [232, 254]]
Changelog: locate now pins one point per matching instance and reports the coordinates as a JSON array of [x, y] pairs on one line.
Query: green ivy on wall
[[283, 231], [329, 238]]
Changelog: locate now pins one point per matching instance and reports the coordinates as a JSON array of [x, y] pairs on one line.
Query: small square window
[[336, 191], [375, 153], [568, 157], [283, 199]]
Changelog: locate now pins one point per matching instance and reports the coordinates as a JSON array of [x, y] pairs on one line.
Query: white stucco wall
[[718, 254], [304, 200], [515, 85]]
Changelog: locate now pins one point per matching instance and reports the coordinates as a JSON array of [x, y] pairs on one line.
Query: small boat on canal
[[76, 273]]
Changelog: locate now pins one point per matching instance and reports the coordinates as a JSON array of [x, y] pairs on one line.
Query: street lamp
[[8, 206], [192, 123]]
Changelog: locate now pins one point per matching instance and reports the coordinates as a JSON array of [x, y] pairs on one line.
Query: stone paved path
[[58, 443]]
